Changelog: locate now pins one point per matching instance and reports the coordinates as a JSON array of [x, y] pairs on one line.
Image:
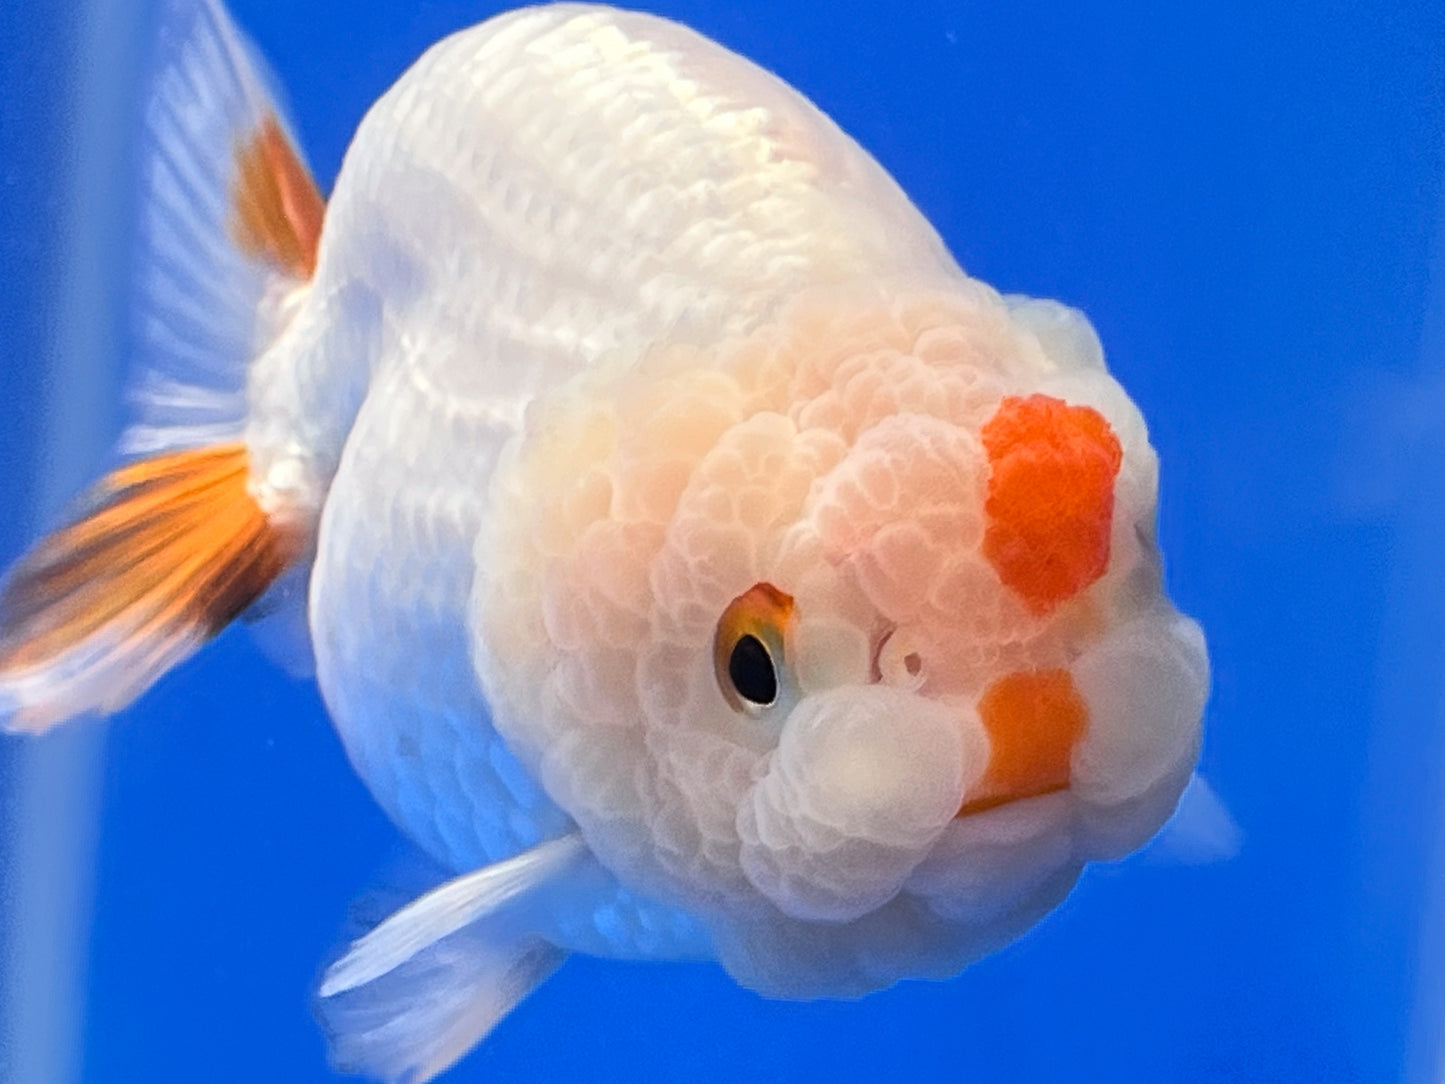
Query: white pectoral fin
[[424, 987], [447, 909], [1201, 830]]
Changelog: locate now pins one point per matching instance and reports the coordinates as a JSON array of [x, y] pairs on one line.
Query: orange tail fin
[[172, 549], [172, 546]]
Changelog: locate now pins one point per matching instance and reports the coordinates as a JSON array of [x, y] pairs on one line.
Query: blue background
[[1246, 198]]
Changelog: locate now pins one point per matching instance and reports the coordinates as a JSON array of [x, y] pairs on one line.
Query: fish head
[[956, 626], [858, 638]]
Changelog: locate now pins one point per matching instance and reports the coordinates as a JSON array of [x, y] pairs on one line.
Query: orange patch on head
[[1050, 501], [1033, 718]]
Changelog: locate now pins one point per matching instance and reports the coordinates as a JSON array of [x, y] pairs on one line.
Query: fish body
[[697, 560], [612, 199]]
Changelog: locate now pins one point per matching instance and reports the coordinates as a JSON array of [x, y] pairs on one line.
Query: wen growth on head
[[699, 562]]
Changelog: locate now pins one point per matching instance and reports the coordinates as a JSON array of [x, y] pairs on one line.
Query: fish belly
[[388, 604], [388, 616]]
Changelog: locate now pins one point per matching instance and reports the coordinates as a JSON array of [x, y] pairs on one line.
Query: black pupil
[[751, 671]]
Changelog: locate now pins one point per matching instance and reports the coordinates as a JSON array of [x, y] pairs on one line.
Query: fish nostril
[[875, 671], [898, 662]]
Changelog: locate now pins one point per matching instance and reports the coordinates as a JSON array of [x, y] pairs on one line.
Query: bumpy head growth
[[851, 637]]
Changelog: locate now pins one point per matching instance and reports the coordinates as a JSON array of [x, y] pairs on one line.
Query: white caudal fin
[[228, 232], [416, 993], [171, 546]]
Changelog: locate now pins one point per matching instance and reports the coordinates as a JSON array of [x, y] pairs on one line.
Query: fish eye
[[748, 647], [750, 669]]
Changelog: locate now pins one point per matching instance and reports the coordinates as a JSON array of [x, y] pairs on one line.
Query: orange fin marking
[[276, 208], [1050, 500], [1033, 719], [171, 550]]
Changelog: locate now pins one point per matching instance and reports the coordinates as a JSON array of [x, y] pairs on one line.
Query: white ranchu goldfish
[[695, 552]]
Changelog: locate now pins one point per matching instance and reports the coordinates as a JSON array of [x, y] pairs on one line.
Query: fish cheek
[[863, 781]]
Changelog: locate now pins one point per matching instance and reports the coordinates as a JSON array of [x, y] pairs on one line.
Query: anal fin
[[169, 550]]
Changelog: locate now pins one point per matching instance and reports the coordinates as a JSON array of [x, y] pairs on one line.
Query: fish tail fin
[[409, 999], [174, 543], [173, 548], [230, 224]]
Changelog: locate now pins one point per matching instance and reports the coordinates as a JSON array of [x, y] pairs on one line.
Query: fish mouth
[[997, 855], [984, 803], [1034, 720]]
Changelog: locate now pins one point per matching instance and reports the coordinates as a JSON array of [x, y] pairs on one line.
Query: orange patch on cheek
[[1050, 500], [1034, 718]]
